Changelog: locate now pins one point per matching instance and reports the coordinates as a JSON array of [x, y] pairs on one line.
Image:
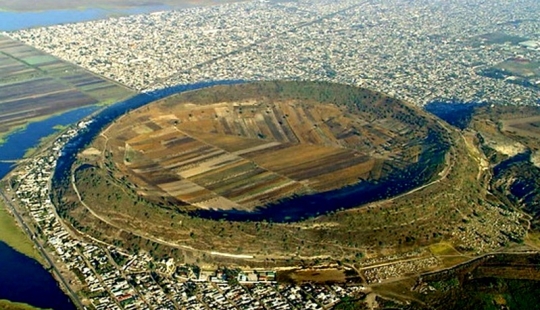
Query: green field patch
[[443, 248], [59, 69], [500, 38], [39, 59], [13, 236], [23, 74], [60, 127], [109, 93], [522, 68], [56, 67], [17, 50]]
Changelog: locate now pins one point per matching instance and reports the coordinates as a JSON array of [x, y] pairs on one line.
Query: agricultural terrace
[[243, 147], [35, 85]]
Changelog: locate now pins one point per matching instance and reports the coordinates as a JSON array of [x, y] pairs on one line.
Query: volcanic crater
[[245, 147]]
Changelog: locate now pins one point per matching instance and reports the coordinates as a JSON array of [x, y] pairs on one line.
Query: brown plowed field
[[242, 152]]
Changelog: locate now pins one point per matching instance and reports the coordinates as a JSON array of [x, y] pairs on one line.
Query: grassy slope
[[8, 305], [12, 235], [470, 287], [518, 183]]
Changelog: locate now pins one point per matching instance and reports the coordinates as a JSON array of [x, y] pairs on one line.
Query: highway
[[74, 298]]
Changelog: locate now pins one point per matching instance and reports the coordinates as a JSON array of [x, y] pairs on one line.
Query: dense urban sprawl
[[418, 50]]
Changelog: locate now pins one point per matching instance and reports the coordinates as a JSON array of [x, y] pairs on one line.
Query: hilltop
[[431, 205], [241, 148]]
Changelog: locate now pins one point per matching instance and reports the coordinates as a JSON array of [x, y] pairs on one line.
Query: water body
[[12, 21], [22, 279], [5, 168], [20, 141]]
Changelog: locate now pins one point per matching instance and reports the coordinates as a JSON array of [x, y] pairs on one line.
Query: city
[[420, 51]]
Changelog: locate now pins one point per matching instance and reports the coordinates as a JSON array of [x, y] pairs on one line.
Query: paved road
[[43, 252]]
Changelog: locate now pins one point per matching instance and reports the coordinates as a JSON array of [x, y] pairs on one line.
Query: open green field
[[500, 38], [13, 236], [35, 85]]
